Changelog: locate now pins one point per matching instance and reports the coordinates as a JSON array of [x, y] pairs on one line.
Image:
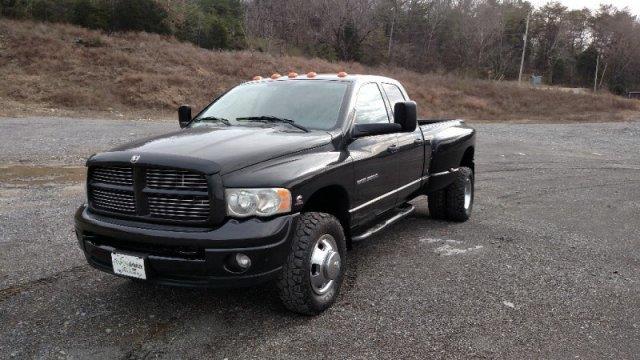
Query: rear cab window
[[394, 95], [370, 105]]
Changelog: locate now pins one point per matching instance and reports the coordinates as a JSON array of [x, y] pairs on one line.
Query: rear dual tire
[[455, 202]]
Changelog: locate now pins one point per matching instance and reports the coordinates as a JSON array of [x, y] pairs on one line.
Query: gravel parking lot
[[548, 266]]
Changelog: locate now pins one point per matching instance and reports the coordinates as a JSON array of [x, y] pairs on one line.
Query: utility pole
[[524, 48], [393, 24], [595, 80]]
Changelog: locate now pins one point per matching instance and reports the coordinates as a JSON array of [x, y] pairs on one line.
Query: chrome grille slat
[[176, 208], [108, 177], [113, 193], [109, 204], [174, 200], [174, 211], [164, 174], [111, 181], [168, 181], [179, 210], [114, 200], [171, 178], [114, 174], [117, 209], [167, 211], [123, 170]]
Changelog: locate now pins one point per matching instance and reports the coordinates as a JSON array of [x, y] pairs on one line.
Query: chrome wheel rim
[[325, 264], [468, 192]]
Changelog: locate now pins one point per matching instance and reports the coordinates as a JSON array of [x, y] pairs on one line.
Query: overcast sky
[[633, 5]]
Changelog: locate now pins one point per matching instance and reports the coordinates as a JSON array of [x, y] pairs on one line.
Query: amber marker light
[[293, 74], [342, 74], [256, 78], [275, 76], [285, 200], [311, 74]]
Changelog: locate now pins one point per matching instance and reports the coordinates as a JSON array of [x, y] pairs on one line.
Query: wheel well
[[332, 200], [467, 159]]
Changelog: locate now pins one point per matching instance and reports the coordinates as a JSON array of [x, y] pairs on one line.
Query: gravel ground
[[548, 266]]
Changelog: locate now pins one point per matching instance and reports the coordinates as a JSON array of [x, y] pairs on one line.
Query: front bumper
[[186, 256]]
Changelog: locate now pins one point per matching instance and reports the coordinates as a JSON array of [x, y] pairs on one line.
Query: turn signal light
[[275, 76], [293, 74], [311, 74], [342, 74], [257, 77]]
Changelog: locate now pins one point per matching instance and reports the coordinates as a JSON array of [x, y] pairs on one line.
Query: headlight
[[257, 202]]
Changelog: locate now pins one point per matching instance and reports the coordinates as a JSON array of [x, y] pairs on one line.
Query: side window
[[370, 107], [393, 93]]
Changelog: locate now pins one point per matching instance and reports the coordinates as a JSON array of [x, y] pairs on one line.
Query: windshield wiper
[[269, 118], [215, 119]]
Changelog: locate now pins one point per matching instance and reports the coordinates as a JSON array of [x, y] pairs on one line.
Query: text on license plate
[[128, 265]]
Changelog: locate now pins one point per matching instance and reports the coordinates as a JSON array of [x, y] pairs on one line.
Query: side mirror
[[184, 115], [361, 130], [405, 113]]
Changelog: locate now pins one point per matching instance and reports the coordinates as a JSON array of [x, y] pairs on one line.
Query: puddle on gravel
[[40, 175]]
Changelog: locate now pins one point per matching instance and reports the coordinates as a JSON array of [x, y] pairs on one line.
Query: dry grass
[[44, 68]]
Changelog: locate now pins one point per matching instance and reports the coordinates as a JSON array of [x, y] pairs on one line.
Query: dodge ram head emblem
[[135, 158]]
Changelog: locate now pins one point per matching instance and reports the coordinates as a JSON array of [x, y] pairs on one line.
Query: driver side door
[[375, 170]]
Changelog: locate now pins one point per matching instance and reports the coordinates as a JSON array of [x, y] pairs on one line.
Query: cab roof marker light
[[342, 74], [256, 78], [311, 74], [293, 74], [275, 76]]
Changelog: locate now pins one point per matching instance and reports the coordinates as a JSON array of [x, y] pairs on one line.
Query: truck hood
[[231, 148]]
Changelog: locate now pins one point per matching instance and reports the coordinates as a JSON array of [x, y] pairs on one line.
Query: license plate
[[128, 265]]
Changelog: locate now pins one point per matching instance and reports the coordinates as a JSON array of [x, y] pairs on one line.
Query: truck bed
[[432, 121]]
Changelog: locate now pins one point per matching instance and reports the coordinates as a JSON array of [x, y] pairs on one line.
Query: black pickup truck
[[273, 181]]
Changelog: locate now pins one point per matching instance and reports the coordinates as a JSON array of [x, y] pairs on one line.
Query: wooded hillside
[[59, 69], [481, 38]]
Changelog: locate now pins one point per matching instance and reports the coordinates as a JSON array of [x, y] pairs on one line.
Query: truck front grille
[[145, 193]]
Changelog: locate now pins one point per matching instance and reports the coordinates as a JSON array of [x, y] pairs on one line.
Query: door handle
[[418, 141], [392, 149]]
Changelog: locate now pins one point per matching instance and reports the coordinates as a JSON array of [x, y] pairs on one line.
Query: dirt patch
[[14, 290], [40, 175]]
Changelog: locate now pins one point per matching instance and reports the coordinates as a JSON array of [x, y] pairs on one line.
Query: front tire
[[313, 272]]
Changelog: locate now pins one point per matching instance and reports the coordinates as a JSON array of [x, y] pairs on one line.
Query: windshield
[[312, 104]]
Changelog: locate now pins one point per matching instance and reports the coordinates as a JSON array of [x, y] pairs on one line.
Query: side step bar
[[402, 213]]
